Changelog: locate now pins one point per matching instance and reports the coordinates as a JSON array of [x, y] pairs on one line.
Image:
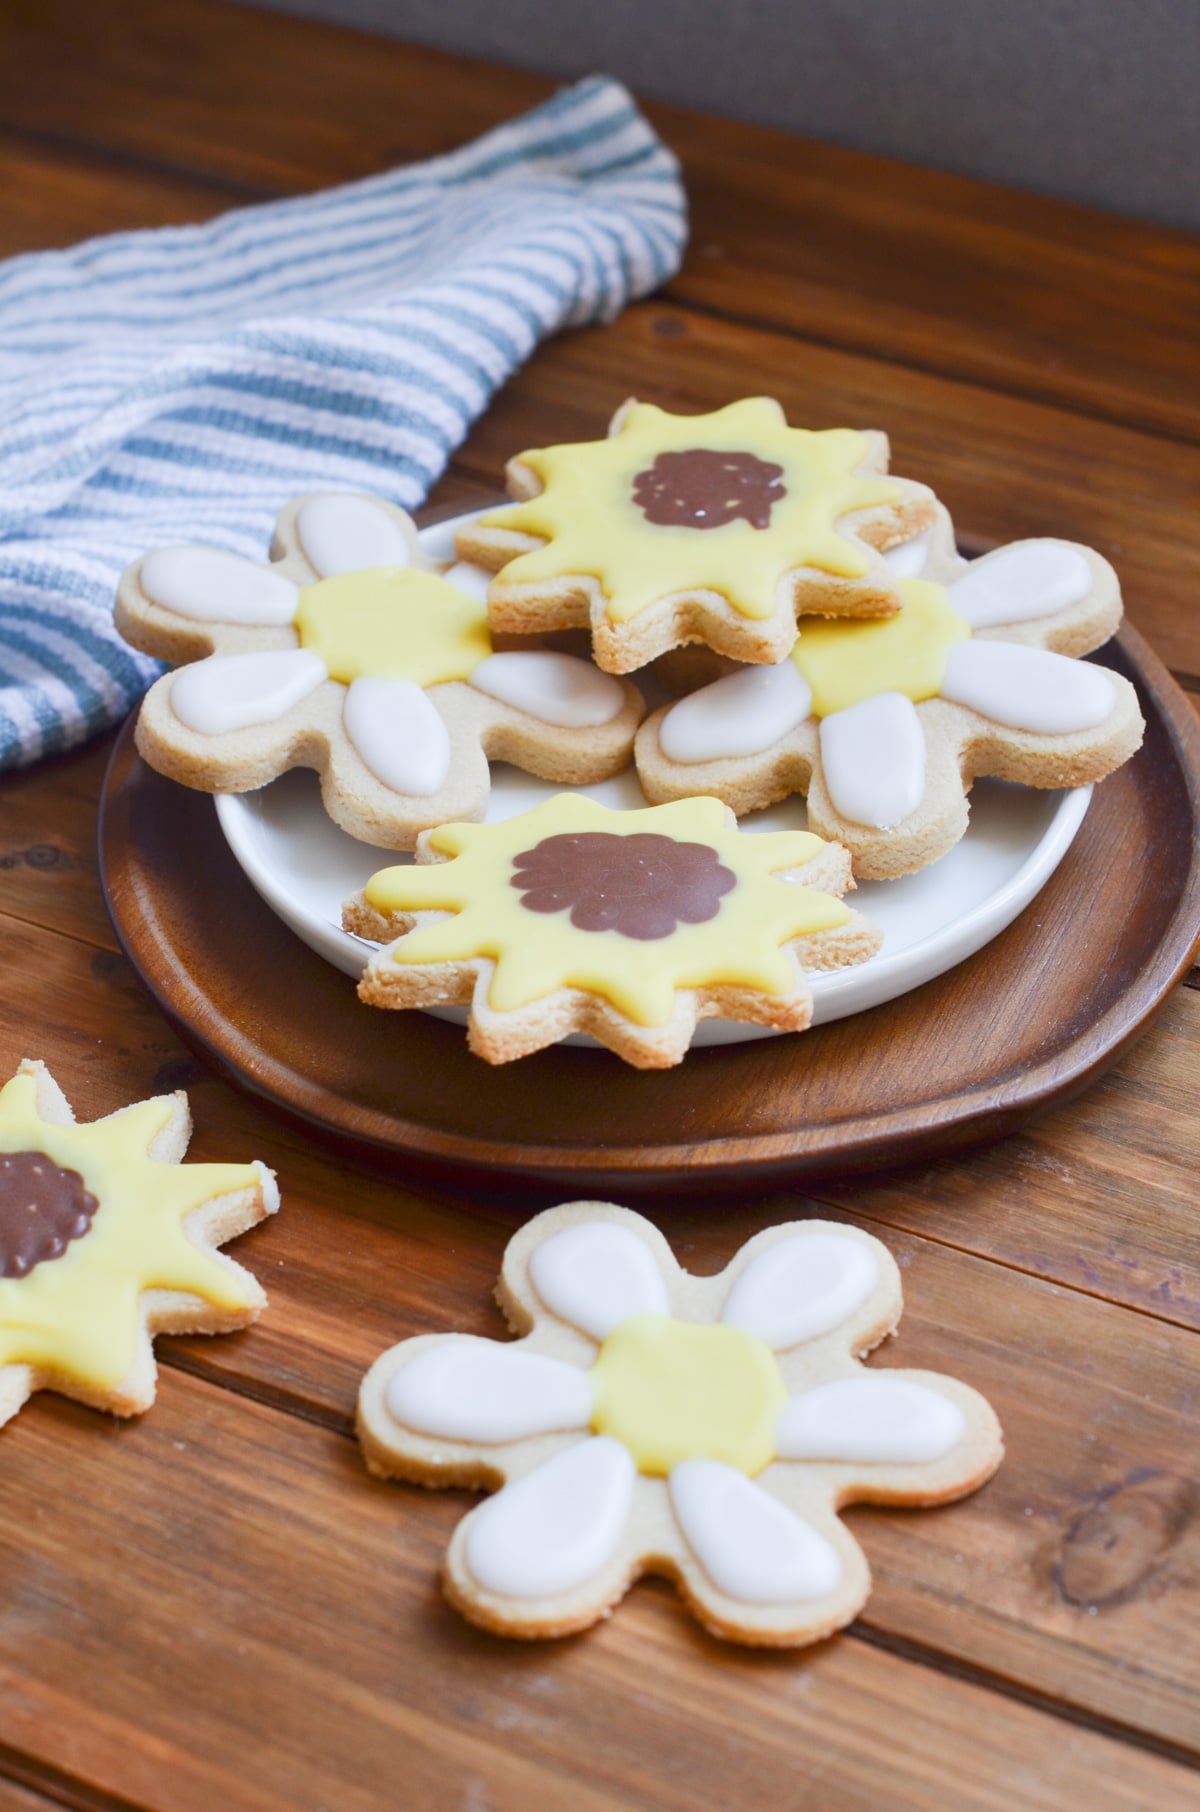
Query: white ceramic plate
[[304, 867]]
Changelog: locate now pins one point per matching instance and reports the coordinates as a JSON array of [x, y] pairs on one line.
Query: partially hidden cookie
[[929, 554], [106, 1239], [649, 1421], [885, 725], [350, 656], [628, 925], [718, 528]]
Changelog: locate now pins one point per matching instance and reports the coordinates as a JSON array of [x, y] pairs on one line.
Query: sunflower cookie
[[649, 1421], [106, 1239], [717, 528], [350, 656], [885, 725], [628, 925]]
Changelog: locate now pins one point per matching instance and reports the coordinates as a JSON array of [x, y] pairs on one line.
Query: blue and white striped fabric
[[180, 385]]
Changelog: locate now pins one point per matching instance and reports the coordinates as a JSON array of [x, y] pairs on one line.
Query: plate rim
[[871, 1137]]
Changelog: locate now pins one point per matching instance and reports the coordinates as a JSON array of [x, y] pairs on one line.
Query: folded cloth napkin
[[180, 385]]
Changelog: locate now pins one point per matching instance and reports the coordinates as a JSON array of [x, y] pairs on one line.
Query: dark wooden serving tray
[[1027, 1022]]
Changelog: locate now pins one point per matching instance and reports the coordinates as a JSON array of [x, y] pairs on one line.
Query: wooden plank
[[243, 1618], [1020, 293], [1076, 1572], [1006, 468], [1091, 1195], [48, 872], [1017, 292], [15, 1798], [235, 94], [51, 197]]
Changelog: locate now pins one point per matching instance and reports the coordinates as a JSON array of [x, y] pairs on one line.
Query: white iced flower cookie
[[351, 655], [886, 725], [649, 1421]]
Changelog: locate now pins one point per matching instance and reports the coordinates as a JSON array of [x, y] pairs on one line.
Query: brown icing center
[[42, 1209], [703, 489], [641, 886]]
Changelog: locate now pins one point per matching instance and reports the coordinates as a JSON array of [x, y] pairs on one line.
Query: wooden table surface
[[214, 1607]]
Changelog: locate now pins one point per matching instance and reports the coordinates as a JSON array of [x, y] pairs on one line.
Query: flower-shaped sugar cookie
[[349, 655], [628, 925], [885, 725], [716, 528], [106, 1239], [649, 1421]]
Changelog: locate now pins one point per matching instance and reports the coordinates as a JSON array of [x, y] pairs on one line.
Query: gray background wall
[[1096, 100]]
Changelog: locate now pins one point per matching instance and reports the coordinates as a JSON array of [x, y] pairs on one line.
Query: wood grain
[[1005, 467], [53, 197], [228, 1630], [1021, 293], [1078, 1567], [15, 1798]]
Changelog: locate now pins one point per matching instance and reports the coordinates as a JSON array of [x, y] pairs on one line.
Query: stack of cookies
[[814, 623]]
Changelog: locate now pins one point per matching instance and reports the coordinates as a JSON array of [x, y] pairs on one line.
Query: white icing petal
[[595, 1275], [873, 760], [464, 575], [908, 559], [798, 1288], [871, 1417], [1029, 579], [211, 586], [1027, 688], [751, 1546], [558, 1527], [342, 533], [741, 714], [236, 691], [475, 1390], [399, 734], [555, 688]]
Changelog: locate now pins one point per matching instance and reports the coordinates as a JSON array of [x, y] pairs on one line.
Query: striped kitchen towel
[[180, 385]]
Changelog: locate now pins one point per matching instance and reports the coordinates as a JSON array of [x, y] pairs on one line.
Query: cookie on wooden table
[[718, 528], [106, 1239], [351, 656], [650, 1421]]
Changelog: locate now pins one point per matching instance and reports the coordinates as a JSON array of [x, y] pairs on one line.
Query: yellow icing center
[[847, 662], [674, 1391], [79, 1315], [393, 622], [593, 528], [536, 952]]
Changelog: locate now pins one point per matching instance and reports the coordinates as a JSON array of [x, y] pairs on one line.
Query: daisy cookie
[[649, 1421], [885, 725], [106, 1239], [717, 528], [350, 655], [628, 925]]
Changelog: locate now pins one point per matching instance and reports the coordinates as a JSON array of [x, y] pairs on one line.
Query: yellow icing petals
[[80, 1315], [536, 952], [393, 622], [594, 528], [847, 662], [673, 1390]]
